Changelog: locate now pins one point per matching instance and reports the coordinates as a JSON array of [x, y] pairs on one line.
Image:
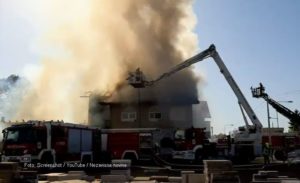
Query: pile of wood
[[272, 177], [220, 171]]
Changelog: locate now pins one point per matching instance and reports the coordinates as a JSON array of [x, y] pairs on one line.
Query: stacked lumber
[[219, 171]]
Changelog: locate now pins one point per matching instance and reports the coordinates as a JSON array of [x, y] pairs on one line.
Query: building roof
[[149, 102], [151, 95]]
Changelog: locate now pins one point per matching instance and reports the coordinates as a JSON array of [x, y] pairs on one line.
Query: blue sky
[[258, 41]]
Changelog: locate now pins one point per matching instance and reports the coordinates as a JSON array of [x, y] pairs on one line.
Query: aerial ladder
[[293, 116], [251, 133]]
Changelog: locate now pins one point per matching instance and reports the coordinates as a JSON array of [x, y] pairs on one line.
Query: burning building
[[149, 111]]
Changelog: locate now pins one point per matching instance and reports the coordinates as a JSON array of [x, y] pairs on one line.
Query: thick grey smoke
[[92, 44], [162, 34]]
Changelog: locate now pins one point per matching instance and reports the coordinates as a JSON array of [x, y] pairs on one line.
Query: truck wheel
[[198, 156], [132, 157], [47, 158], [167, 142], [280, 155], [86, 159], [102, 157]]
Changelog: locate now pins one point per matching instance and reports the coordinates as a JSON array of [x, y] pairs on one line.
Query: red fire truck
[[281, 143], [54, 142], [49, 142]]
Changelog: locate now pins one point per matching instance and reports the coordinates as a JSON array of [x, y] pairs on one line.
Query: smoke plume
[[90, 45]]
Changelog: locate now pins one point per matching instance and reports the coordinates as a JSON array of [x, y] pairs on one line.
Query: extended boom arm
[[136, 80], [259, 92]]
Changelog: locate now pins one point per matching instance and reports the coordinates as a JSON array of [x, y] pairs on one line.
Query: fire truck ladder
[[137, 80], [259, 92]]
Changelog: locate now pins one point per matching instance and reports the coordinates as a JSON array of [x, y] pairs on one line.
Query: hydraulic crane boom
[[259, 92], [137, 80]]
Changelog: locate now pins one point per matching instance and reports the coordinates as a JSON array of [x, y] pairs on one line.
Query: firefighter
[[266, 153]]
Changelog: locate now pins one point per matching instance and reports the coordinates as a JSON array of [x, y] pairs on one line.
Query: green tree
[[295, 122]]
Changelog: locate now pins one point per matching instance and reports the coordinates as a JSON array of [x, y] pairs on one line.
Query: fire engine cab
[[49, 142]]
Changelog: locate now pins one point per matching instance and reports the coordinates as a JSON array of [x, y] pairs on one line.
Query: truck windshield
[[20, 135]]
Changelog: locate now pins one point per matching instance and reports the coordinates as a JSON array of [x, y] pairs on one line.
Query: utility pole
[[269, 128]]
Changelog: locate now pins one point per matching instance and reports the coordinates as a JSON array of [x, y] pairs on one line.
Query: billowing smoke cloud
[[92, 44]]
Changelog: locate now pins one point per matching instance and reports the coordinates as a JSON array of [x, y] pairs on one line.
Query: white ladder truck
[[246, 143]]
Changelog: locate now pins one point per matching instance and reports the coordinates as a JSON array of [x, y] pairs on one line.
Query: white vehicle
[[294, 157]]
